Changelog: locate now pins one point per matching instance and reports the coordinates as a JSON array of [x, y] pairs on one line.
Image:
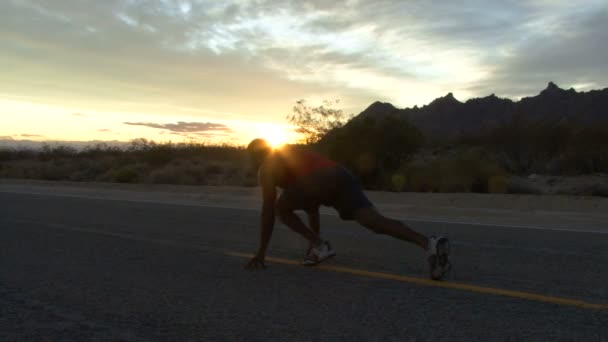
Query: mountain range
[[448, 117]]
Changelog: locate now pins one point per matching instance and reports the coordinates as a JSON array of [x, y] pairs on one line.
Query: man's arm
[[269, 194]]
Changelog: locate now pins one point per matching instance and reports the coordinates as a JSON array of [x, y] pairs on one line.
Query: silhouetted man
[[309, 180]]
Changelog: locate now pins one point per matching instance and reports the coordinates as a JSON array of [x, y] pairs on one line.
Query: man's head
[[258, 150]]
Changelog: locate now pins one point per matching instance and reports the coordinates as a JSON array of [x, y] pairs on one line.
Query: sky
[[229, 71]]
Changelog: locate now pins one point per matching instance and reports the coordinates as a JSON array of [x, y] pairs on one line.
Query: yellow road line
[[444, 284]]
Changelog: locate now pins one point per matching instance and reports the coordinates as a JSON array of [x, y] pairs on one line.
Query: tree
[[372, 146], [315, 122]]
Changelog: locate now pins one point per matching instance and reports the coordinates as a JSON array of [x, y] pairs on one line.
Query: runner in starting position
[[310, 180]]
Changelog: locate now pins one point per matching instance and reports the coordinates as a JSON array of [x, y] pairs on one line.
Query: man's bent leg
[[286, 214], [374, 221], [320, 250], [314, 221]]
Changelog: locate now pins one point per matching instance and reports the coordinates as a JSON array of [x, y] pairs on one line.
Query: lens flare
[[275, 135]]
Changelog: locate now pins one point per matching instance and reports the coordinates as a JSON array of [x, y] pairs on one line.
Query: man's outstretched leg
[[437, 248], [371, 219]]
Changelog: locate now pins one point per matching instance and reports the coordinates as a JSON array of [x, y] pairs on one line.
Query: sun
[[276, 135], [276, 139]]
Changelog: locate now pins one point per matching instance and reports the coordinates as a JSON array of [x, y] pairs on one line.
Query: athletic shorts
[[333, 187]]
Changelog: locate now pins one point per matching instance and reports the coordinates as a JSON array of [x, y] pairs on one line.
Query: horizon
[[227, 73]]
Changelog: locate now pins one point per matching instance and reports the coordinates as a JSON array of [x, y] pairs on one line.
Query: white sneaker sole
[[439, 263], [311, 262]]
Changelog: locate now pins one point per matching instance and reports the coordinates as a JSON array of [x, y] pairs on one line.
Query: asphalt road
[[76, 269]]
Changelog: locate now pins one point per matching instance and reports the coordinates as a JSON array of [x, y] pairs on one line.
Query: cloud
[[31, 136], [6, 137], [193, 136], [202, 128], [571, 58], [109, 131], [210, 134], [269, 53], [78, 114]]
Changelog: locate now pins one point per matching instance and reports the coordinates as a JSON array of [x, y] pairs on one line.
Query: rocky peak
[[446, 100], [379, 108], [551, 89]]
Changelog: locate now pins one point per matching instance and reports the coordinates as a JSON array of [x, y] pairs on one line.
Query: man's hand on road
[[257, 262]]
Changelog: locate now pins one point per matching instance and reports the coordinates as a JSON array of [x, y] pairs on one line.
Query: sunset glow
[[276, 138], [226, 72]]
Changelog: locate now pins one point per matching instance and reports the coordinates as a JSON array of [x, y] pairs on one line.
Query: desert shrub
[[423, 177], [572, 163], [194, 174], [191, 173], [36, 169], [484, 172], [590, 143], [125, 175], [26, 169], [249, 179], [518, 185], [172, 174], [157, 154], [524, 146], [100, 150], [56, 152], [9, 170], [94, 168], [141, 160], [457, 175], [5, 155], [165, 175], [131, 173], [213, 169], [84, 170], [150, 152], [497, 185], [453, 174], [398, 182], [600, 190], [232, 175], [56, 170]]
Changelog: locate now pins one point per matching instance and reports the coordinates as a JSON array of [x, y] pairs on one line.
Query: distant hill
[[448, 117]]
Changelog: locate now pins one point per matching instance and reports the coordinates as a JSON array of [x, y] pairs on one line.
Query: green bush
[[455, 174], [127, 174], [497, 185], [423, 177], [172, 174], [213, 169], [134, 163], [398, 182], [484, 172], [600, 190], [249, 179], [516, 185], [56, 170]]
